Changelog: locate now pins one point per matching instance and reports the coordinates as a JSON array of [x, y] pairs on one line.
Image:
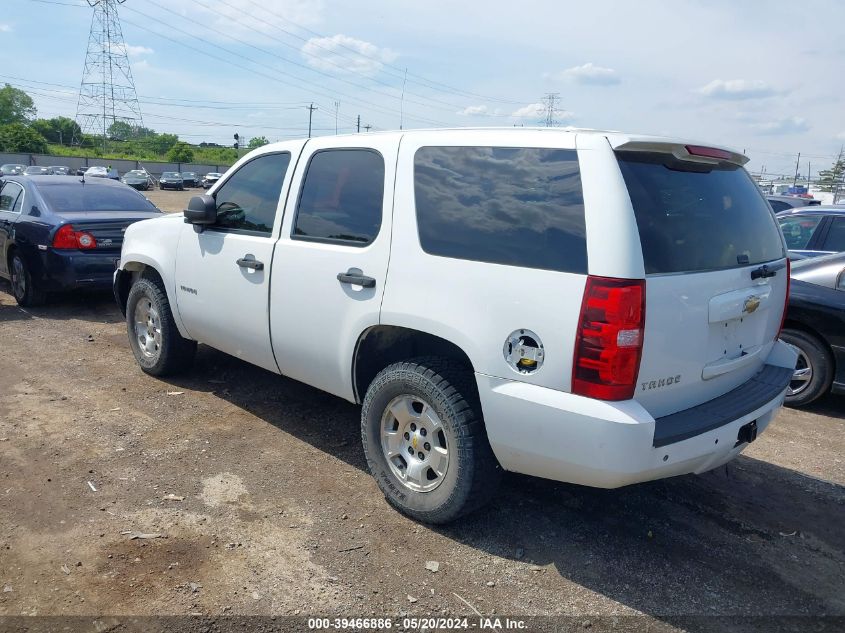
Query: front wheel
[[24, 288], [154, 338], [425, 441], [813, 371]]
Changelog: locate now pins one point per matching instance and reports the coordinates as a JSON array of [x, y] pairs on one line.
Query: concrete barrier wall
[[121, 165]]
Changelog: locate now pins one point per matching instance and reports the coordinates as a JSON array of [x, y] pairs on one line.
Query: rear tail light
[[786, 297], [66, 237], [609, 343], [708, 152]]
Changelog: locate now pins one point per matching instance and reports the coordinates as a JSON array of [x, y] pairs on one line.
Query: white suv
[[584, 306]]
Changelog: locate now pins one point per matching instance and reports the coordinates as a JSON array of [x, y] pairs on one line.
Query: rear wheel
[[425, 442], [813, 371], [24, 287], [153, 336]]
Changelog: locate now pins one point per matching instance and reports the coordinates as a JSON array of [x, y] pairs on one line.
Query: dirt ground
[[172, 201], [254, 494]]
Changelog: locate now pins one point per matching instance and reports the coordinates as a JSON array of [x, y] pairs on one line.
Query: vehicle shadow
[[748, 539], [82, 305], [831, 405]]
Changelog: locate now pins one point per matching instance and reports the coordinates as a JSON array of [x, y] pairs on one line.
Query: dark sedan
[[62, 234], [815, 326], [813, 231], [59, 170], [191, 178], [137, 179], [171, 180]]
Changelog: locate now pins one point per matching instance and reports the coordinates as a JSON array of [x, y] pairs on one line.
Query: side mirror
[[201, 212]]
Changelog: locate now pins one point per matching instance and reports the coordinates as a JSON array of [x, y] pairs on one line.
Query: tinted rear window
[[512, 206], [90, 197], [695, 217]]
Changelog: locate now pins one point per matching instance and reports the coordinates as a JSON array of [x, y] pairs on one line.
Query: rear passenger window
[[835, 240], [502, 205], [799, 229], [695, 217], [342, 197], [248, 200]]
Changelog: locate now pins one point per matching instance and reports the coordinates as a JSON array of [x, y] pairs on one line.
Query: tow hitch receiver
[[747, 433]]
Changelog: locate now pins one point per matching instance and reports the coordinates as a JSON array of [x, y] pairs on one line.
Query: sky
[[764, 77]]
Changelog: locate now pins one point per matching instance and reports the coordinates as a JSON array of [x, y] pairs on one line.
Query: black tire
[[816, 355], [173, 353], [24, 288], [473, 473]]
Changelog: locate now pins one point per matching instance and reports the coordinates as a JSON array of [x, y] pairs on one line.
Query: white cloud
[[785, 125], [736, 89], [538, 110], [532, 109], [137, 51], [590, 74], [340, 53], [476, 110], [5, 28], [840, 136]]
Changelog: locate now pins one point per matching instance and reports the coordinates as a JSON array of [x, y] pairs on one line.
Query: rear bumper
[[561, 436], [74, 269]]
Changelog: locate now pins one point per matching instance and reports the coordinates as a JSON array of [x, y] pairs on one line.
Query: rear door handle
[[250, 263], [357, 278]]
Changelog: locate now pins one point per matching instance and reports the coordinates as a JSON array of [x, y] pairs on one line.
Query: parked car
[[60, 170], [210, 179], [190, 179], [98, 171], [601, 316], [785, 203], [171, 180], [36, 170], [12, 169], [138, 179], [813, 231], [815, 325], [61, 234]]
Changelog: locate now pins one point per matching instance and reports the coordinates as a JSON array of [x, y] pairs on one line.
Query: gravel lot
[[255, 490]]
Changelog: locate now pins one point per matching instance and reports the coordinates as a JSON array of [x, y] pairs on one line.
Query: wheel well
[[132, 271], [384, 345], [801, 327]]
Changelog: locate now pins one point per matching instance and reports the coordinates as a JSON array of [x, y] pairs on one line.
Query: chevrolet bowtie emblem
[[751, 304]]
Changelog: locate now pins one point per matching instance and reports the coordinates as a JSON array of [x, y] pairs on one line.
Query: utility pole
[[551, 100], [402, 101], [367, 127], [336, 109], [795, 179], [311, 109], [809, 167], [358, 126]]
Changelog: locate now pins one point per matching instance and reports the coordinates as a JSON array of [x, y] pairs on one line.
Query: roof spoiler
[[686, 152]]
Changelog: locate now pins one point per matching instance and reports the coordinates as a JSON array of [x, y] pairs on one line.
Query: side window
[[249, 198], [798, 229], [503, 205], [342, 197], [11, 197], [835, 240]]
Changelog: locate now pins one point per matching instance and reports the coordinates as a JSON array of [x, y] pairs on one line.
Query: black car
[[191, 178], [815, 326], [138, 179], [785, 203], [62, 234], [171, 180], [813, 231]]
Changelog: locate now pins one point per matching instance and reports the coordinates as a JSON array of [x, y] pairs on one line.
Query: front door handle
[[357, 278], [250, 263]]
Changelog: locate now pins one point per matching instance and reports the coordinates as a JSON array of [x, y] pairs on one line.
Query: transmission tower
[[550, 100], [107, 92]]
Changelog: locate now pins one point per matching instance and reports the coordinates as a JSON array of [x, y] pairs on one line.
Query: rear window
[[694, 217], [502, 205], [90, 197]]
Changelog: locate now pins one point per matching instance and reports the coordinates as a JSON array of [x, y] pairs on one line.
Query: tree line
[[21, 131]]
